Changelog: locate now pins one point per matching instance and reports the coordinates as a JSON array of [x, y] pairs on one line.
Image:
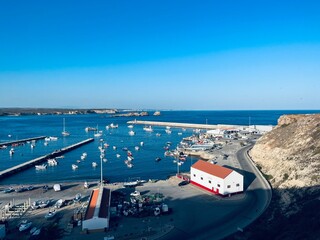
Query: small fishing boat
[[11, 152], [168, 131], [87, 129], [105, 160], [131, 133], [52, 162], [112, 125], [94, 164], [41, 167], [118, 155], [148, 128], [114, 148], [158, 134], [130, 126], [74, 166], [137, 148], [158, 159]]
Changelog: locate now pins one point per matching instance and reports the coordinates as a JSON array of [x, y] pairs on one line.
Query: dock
[[179, 125], [21, 141], [41, 159]]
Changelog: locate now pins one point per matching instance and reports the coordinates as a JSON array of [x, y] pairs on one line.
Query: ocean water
[[145, 166]]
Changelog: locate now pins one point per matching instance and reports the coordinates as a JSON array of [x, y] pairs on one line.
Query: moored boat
[[41, 167], [74, 166], [148, 128]]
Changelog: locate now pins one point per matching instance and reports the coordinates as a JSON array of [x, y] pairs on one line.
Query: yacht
[[131, 133]]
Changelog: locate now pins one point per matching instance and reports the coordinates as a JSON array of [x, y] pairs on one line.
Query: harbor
[[39, 160]]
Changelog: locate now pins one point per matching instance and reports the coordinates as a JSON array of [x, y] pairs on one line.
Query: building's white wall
[[95, 223], [205, 180], [233, 179]]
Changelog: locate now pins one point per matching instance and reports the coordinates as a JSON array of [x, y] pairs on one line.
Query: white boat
[[179, 133], [53, 138], [141, 144], [24, 226], [74, 166], [87, 129], [114, 148], [135, 194], [168, 127], [118, 155], [64, 132], [131, 184], [137, 148], [11, 152], [41, 167], [158, 134], [94, 164], [105, 160], [86, 185], [52, 162], [199, 147], [112, 125], [148, 128], [130, 126], [168, 131], [98, 134], [131, 133]]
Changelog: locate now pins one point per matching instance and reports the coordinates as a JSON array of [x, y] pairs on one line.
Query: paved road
[[227, 215]]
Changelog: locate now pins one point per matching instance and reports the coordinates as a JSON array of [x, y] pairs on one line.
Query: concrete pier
[[21, 141], [39, 160], [178, 125]]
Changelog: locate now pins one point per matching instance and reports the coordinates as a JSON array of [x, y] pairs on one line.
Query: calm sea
[[145, 166]]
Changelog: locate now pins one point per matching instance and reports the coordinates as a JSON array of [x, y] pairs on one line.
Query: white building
[[216, 179], [98, 212]]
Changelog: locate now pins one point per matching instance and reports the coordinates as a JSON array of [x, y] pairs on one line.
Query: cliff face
[[290, 156]]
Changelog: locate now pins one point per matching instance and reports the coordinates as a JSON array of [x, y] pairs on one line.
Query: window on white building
[[201, 178], [238, 185], [209, 181], [194, 175], [228, 186], [218, 185]]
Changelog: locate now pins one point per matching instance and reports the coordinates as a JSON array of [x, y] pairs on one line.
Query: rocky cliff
[[289, 155]]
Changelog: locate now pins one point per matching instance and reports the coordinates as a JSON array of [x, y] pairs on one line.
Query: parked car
[[183, 183]]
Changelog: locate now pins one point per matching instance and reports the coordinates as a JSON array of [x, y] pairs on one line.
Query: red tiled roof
[[212, 169], [92, 204]]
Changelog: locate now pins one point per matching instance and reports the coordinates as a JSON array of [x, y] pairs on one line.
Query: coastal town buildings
[[216, 179]]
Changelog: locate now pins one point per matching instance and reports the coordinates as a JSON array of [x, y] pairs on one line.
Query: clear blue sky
[[160, 54]]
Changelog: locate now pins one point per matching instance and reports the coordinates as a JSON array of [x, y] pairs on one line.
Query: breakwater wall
[[39, 160], [21, 141]]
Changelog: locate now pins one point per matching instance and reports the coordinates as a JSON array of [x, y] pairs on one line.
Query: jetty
[[177, 125], [21, 141], [39, 160]]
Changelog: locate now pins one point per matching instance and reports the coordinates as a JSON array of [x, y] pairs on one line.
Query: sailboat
[[64, 132]]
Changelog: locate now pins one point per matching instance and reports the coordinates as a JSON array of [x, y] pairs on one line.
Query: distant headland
[[69, 111]]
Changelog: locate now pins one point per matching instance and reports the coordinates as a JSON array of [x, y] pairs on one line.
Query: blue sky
[[216, 55]]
